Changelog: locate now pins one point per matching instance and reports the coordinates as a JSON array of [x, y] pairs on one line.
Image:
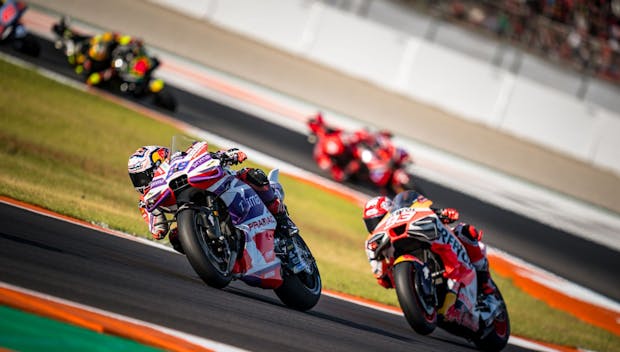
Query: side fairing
[[259, 264]]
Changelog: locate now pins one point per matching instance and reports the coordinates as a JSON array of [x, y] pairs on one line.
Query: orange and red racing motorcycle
[[425, 262]]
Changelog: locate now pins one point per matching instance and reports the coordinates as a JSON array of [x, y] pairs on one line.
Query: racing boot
[[285, 225], [486, 286], [288, 230]]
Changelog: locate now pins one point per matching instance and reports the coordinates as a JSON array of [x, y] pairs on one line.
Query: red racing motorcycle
[[434, 279], [13, 31], [361, 156]]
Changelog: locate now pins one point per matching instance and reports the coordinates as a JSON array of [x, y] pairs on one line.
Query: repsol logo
[[455, 244]]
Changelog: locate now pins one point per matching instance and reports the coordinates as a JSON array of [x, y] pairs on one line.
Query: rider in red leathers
[[145, 160], [341, 153], [375, 210]]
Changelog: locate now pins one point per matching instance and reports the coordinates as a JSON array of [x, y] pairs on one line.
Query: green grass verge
[[67, 150]]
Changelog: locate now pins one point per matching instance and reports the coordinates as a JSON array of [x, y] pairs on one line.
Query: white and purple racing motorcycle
[[227, 232]]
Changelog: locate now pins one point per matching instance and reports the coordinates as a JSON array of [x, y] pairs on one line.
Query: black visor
[[141, 179], [371, 223]]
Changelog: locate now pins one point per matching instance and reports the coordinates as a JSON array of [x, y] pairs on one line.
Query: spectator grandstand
[[580, 35], [584, 34]]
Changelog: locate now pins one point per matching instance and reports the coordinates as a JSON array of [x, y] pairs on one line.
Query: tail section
[[275, 183]]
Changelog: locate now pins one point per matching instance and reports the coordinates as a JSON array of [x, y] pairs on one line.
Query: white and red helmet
[[374, 210], [143, 163]]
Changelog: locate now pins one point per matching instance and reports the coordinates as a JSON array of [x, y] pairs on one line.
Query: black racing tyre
[[414, 308], [498, 337], [301, 291], [200, 251]]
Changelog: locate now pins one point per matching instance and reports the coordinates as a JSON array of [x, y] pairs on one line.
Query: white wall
[[455, 82], [279, 23], [551, 118], [425, 71], [356, 47]]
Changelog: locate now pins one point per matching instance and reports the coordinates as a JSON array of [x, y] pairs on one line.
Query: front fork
[[210, 218], [425, 278]]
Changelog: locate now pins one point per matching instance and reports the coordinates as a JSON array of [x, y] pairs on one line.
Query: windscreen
[[404, 200], [180, 144]]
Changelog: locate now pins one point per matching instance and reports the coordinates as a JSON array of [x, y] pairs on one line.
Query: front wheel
[[209, 257], [410, 283], [301, 290]]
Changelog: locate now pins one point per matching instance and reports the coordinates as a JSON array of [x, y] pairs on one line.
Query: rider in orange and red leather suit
[[376, 208]]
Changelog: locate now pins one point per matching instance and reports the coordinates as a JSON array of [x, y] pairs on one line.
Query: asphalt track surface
[[160, 287]]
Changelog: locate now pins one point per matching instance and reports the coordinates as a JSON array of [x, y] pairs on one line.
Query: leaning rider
[[376, 209], [145, 160]]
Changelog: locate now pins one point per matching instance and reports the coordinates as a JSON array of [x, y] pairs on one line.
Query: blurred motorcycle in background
[[361, 157], [13, 31], [127, 69]]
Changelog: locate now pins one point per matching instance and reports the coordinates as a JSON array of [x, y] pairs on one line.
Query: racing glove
[[234, 156], [448, 215], [158, 224]]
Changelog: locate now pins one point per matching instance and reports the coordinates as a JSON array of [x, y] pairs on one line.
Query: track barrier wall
[[424, 71]]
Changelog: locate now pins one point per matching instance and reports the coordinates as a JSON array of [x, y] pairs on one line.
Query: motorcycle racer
[[145, 160], [343, 155], [92, 55], [377, 208]]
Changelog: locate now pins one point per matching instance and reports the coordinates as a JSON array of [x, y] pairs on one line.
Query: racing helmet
[[99, 46], [98, 51], [374, 210], [143, 163]]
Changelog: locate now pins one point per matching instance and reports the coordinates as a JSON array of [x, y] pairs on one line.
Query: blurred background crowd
[[582, 34]]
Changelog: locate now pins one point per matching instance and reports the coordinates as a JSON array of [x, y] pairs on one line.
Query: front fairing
[[411, 223], [194, 168]]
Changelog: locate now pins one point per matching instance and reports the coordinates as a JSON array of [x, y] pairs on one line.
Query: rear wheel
[[416, 304], [495, 337], [210, 257], [302, 290]]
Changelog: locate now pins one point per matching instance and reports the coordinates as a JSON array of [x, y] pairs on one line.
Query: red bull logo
[[159, 156]]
